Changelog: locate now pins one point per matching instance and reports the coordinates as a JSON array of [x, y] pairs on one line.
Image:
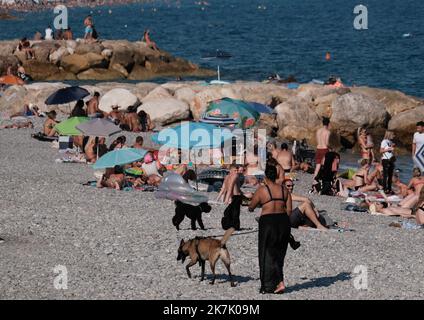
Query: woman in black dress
[[274, 231]]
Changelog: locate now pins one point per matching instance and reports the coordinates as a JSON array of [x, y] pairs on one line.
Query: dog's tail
[[227, 236]]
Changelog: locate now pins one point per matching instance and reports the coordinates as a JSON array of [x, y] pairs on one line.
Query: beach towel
[[42, 137]]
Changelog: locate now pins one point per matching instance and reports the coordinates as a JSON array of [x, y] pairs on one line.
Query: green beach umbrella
[[242, 111], [67, 127]]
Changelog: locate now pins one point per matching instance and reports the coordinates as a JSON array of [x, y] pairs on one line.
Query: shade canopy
[[119, 157], [67, 95], [192, 135], [68, 127], [98, 128]]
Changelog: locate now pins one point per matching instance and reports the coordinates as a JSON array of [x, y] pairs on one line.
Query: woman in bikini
[[365, 144], [115, 180], [415, 185], [274, 231], [49, 124]]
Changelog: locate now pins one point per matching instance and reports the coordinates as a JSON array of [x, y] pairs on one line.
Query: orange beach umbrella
[[11, 80]]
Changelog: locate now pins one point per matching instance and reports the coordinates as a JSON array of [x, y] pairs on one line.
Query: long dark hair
[[271, 172]]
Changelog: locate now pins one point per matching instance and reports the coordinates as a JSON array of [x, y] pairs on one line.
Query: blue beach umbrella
[[119, 157], [192, 135], [67, 95]]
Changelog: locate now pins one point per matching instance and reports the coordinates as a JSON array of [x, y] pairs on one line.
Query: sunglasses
[[289, 185]]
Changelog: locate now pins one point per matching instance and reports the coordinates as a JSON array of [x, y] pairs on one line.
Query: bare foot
[[280, 288], [117, 187]]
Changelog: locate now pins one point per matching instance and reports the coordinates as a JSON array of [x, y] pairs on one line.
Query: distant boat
[[218, 54], [406, 35]]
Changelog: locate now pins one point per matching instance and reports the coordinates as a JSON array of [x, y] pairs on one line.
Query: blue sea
[[287, 37]]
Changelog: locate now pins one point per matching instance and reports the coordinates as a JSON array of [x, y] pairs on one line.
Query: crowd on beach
[[374, 187]]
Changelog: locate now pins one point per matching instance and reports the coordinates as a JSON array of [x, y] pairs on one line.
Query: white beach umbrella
[[118, 97]]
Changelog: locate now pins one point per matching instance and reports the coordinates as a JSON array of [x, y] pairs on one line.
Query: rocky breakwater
[[102, 61], [298, 112]]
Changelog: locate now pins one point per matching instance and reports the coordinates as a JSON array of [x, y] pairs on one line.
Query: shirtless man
[[115, 180], [132, 119], [93, 110], [323, 140], [306, 214], [285, 159], [90, 153], [138, 143], [48, 127], [231, 195], [115, 115]]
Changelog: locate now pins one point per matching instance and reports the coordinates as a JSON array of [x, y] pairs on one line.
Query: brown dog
[[203, 249]]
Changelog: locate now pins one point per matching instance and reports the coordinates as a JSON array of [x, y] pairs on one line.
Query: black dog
[[192, 212]]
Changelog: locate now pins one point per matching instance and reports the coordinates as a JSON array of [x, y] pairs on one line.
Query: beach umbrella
[[11, 80], [119, 157], [68, 127], [118, 97], [261, 108], [67, 95], [240, 110], [192, 135], [98, 127]]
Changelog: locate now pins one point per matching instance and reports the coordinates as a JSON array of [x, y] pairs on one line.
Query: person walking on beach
[[388, 159], [285, 158], [231, 194], [274, 231], [417, 146], [323, 141]]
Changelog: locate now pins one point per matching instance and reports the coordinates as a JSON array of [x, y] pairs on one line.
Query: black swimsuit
[[271, 197]]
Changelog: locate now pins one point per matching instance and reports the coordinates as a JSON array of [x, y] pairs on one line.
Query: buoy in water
[[110, 11]]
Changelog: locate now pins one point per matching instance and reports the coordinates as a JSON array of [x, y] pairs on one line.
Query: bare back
[[285, 159], [323, 138]]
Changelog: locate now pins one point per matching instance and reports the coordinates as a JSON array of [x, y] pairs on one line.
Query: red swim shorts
[[319, 155]]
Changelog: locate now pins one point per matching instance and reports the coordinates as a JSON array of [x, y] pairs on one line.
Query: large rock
[[124, 57], [84, 47], [43, 50], [166, 110], [296, 120], [58, 54], [118, 96], [100, 75], [8, 47], [157, 93], [185, 94], [40, 70], [75, 63], [6, 61], [404, 124], [353, 110], [94, 59], [119, 68], [394, 101]]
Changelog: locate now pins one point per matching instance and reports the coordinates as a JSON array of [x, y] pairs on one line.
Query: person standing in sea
[[417, 145]]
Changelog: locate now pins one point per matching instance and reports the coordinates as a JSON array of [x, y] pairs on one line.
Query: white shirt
[[387, 144], [418, 140], [49, 34]]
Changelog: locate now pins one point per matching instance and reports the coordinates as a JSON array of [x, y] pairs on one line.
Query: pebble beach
[[122, 245]]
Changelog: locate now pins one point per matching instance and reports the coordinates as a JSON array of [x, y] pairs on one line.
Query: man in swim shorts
[[323, 140]]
